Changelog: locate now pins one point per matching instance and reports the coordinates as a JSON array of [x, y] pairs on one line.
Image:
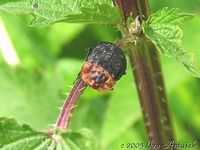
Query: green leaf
[[18, 137], [48, 12], [162, 28]]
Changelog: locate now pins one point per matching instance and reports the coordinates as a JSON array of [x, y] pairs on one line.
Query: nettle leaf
[[162, 28], [47, 12], [18, 137]]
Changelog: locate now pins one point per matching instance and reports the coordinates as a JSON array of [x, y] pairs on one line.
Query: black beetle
[[105, 64]]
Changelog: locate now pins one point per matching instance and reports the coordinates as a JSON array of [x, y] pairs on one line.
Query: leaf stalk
[[69, 104]]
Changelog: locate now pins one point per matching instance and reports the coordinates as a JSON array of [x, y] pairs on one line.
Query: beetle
[[105, 64]]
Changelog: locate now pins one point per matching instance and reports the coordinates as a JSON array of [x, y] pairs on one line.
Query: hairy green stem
[[147, 72]]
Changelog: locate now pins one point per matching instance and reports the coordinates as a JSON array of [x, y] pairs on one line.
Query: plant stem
[[147, 72], [70, 103]]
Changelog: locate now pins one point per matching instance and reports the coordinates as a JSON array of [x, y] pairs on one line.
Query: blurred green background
[[49, 60]]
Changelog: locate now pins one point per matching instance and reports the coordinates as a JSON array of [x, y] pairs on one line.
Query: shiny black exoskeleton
[[110, 57]]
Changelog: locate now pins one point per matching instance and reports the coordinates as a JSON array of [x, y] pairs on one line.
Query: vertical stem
[[147, 72], [151, 91]]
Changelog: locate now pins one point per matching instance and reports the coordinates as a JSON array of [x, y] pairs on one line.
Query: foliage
[[32, 89], [48, 12], [24, 137], [163, 29]]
